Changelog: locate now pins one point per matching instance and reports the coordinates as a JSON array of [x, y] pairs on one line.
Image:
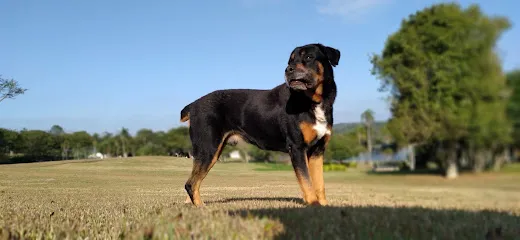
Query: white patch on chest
[[320, 126]]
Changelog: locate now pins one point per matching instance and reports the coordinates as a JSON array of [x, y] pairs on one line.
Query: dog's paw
[[323, 202], [188, 200]]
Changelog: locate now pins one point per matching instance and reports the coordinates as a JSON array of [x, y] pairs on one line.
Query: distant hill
[[348, 127]]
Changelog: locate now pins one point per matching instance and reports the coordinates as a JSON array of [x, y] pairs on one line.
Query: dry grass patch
[[142, 198]]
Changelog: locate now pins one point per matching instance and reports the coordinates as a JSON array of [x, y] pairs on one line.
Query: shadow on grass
[[280, 199], [406, 172], [58, 161], [376, 222]]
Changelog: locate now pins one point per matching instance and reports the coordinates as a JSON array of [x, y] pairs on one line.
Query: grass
[[511, 168], [327, 167], [273, 167], [143, 198]]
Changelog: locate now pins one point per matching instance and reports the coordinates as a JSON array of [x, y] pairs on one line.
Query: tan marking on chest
[[308, 131], [312, 132]]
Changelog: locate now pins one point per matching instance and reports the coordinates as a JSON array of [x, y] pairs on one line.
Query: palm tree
[[124, 136], [367, 118], [96, 139]]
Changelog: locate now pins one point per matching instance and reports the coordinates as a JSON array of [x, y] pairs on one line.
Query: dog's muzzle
[[298, 79]]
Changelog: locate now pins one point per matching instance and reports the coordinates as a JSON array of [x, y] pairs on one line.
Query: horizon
[[76, 58]]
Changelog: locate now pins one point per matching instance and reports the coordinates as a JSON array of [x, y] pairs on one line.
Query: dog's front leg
[[301, 168], [315, 156]]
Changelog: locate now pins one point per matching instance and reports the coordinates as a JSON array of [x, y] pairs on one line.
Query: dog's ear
[[332, 54]]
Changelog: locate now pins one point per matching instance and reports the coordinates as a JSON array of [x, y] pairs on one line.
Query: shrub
[[334, 167]]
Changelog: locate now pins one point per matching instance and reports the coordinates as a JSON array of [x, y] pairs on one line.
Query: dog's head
[[310, 65]]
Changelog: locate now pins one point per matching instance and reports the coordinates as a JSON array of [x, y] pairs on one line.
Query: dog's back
[[252, 113], [232, 100]]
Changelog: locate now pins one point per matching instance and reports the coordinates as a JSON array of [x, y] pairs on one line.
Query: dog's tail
[[185, 113]]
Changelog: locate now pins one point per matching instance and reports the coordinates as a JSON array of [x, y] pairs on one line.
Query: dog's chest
[[320, 125]]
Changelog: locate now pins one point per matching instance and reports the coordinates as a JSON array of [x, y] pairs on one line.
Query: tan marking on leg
[[316, 172], [309, 134], [309, 195], [194, 180], [219, 149], [199, 174]]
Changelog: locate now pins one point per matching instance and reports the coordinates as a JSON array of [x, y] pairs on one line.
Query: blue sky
[[100, 65]]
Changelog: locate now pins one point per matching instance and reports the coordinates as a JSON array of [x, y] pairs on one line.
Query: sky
[[101, 65]]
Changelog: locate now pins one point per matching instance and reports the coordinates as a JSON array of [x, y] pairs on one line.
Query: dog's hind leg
[[205, 155]]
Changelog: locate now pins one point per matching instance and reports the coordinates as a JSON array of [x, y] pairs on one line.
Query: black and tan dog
[[294, 118]]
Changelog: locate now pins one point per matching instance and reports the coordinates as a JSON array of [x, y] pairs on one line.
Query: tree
[[56, 130], [38, 145], [148, 143], [81, 143], [125, 138], [367, 118], [9, 89], [60, 137], [95, 141], [105, 144], [442, 73], [9, 141], [343, 145], [513, 108], [177, 139]]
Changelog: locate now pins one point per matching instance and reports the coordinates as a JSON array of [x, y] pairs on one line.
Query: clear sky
[[100, 65]]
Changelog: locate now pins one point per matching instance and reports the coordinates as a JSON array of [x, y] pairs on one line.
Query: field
[[143, 198]]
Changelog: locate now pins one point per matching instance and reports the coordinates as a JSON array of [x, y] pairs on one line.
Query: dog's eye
[[308, 58]]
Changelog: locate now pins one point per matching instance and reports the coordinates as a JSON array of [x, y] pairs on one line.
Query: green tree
[[441, 72], [258, 154], [38, 145], [513, 109], [177, 139], [10, 88], [56, 130], [148, 143], [81, 143], [125, 141], [59, 136], [96, 139], [105, 144], [9, 141], [343, 145]]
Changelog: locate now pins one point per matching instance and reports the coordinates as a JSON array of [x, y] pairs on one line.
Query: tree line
[[56, 144]]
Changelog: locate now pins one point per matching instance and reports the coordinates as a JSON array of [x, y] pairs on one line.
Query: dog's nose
[[289, 69]]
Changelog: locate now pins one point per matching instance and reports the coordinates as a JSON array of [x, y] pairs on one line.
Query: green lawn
[[142, 198]]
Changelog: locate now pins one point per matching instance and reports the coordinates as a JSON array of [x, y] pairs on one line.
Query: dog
[[294, 117]]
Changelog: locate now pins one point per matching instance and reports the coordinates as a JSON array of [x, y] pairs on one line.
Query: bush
[[334, 167], [351, 164]]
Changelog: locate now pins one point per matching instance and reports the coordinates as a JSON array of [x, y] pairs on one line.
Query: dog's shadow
[[379, 222], [268, 199]]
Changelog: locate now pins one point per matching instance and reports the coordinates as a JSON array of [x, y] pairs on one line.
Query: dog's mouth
[[299, 84]]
